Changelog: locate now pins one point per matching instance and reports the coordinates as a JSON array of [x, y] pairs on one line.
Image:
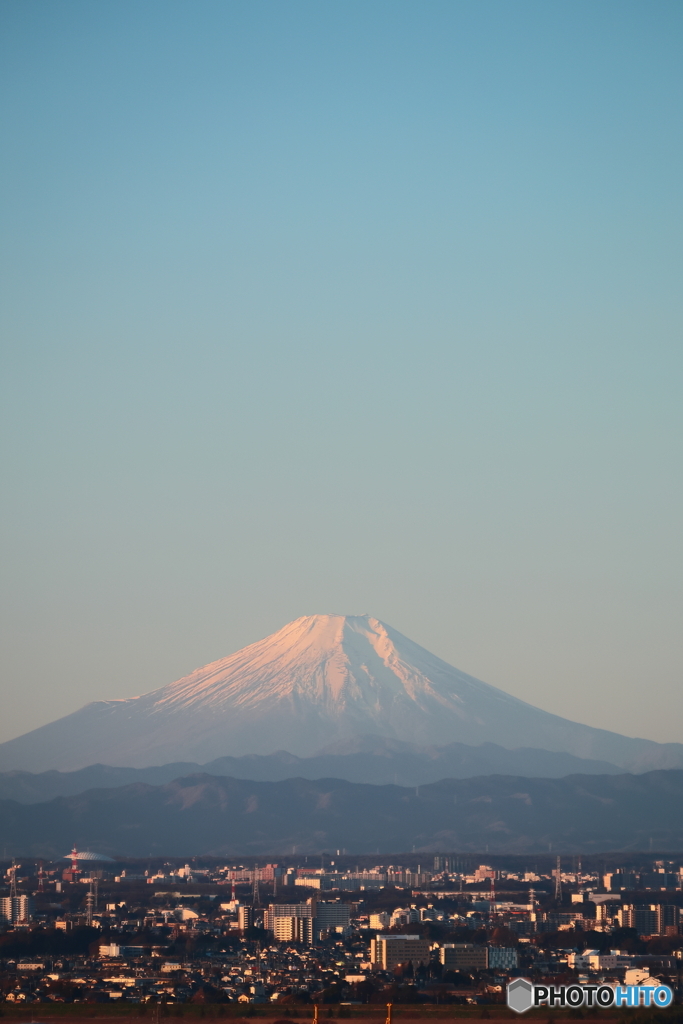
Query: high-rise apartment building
[[16, 909], [293, 929], [652, 919], [331, 917], [291, 922], [305, 922], [668, 919], [245, 917]]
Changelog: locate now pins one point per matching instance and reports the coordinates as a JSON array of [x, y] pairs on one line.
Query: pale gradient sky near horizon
[[351, 307]]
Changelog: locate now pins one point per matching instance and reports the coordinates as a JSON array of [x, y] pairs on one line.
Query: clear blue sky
[[343, 307]]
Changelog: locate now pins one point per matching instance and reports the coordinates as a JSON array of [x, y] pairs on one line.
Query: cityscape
[[339, 936]]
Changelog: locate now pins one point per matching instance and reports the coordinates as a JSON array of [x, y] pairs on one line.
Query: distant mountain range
[[204, 814], [320, 680], [372, 759]]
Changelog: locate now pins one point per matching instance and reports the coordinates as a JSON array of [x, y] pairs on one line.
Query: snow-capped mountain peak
[[320, 680], [339, 664]]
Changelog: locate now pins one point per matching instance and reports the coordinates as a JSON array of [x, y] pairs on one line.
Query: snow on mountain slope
[[322, 679], [340, 665]]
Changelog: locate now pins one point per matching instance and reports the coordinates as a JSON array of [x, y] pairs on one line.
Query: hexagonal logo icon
[[520, 995]]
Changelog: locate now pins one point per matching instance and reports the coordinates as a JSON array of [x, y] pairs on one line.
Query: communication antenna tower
[[74, 864], [558, 882], [89, 905], [255, 893], [13, 880]]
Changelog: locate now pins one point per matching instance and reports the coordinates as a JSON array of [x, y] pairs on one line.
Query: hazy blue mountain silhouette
[[371, 759], [205, 814]]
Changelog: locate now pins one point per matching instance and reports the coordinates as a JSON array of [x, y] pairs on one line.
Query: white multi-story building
[[304, 922], [593, 960], [16, 909], [293, 929], [291, 922]]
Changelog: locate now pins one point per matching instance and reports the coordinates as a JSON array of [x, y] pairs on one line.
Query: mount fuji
[[321, 681]]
